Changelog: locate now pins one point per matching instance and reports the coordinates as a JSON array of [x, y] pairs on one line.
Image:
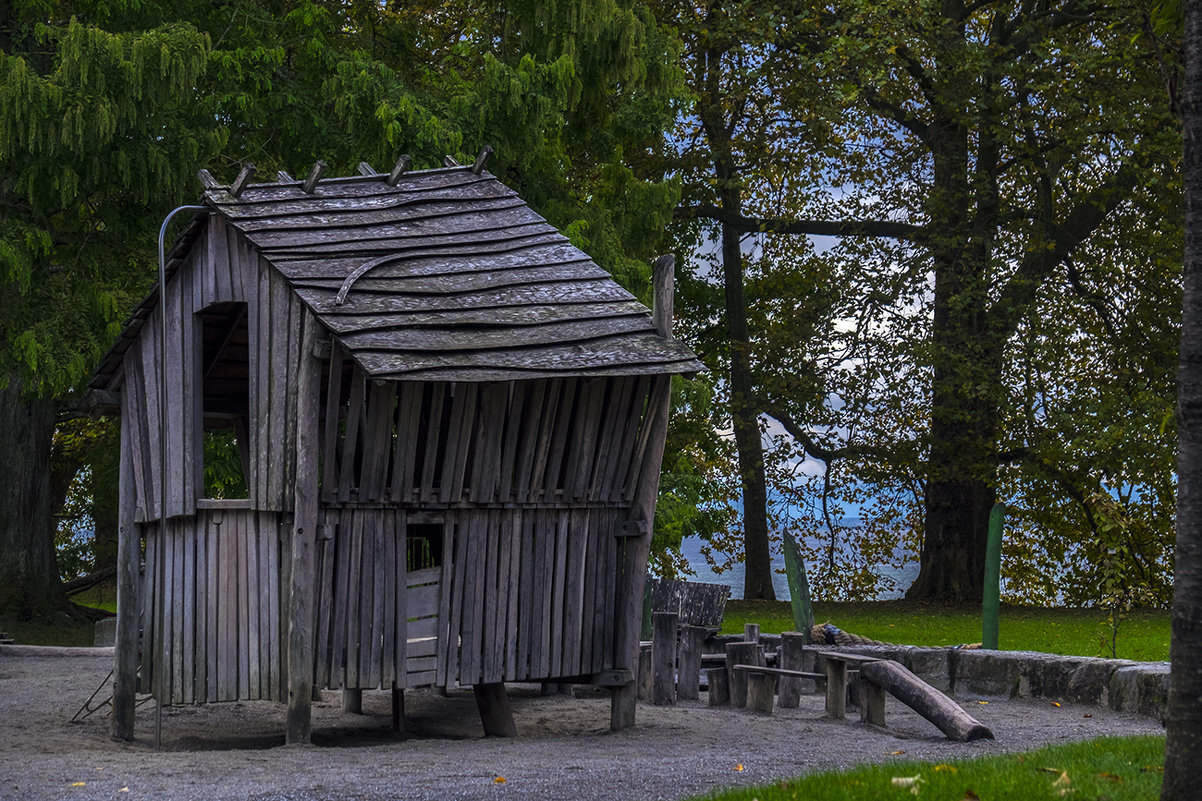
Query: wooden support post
[[398, 709], [719, 686], [495, 712], [632, 560], [688, 666], [792, 649], [872, 703], [836, 689], [352, 701], [751, 632], [663, 657], [644, 681], [129, 550], [303, 579], [742, 653], [761, 691]]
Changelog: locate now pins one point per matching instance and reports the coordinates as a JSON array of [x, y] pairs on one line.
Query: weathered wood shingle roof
[[448, 275]]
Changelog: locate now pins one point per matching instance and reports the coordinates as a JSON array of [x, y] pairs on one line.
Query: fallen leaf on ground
[[913, 782], [946, 769], [738, 767], [895, 753], [499, 780], [1056, 703], [1111, 777]]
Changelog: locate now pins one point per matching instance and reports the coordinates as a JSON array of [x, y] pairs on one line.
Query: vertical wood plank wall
[[215, 610], [222, 268]]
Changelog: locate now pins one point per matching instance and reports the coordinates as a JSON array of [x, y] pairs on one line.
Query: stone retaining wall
[[1138, 687]]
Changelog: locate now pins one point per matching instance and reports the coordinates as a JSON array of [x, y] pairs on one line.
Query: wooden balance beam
[[878, 676]]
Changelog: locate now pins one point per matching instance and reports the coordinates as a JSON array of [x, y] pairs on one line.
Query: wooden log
[[718, 681], [663, 658], [302, 576], [789, 688], [742, 653], [836, 688], [761, 692], [688, 682], [496, 715], [924, 699]]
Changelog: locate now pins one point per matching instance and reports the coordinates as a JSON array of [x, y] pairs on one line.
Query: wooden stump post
[[398, 709], [761, 692], [352, 701], [836, 689], [495, 712], [129, 552], [688, 682], [663, 658], [644, 681], [751, 632], [719, 686], [872, 702], [791, 653], [741, 653]]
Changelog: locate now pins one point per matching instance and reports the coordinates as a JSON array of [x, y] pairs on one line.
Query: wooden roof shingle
[[446, 276]]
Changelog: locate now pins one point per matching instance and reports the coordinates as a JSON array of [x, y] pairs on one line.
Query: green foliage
[[1125, 578], [1115, 768], [223, 474], [1052, 630]]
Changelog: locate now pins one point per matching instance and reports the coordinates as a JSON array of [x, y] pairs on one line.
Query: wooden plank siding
[[219, 602], [442, 445]]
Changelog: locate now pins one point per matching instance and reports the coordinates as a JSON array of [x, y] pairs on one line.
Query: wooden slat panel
[[457, 590], [325, 608], [347, 478], [246, 527], [424, 219], [529, 444], [423, 601], [331, 456], [447, 636], [188, 621], [492, 665], [150, 399], [431, 467], [392, 586], [381, 597], [472, 636], [502, 531], [459, 441], [515, 317], [213, 609], [354, 612], [147, 619], [626, 474], [201, 583], [424, 629], [260, 349], [282, 351], [340, 636], [378, 440], [289, 393], [172, 624], [277, 621], [583, 440], [574, 595], [264, 545], [486, 466], [509, 456], [407, 432], [559, 582], [564, 419], [581, 520]]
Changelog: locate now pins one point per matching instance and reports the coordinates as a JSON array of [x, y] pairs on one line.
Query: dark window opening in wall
[[225, 379], [423, 545]]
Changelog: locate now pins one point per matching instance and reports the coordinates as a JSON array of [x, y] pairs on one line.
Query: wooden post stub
[[283, 177], [482, 159], [719, 686], [366, 169], [399, 169], [243, 180], [663, 657], [663, 278], [398, 709], [688, 681], [644, 680], [206, 178], [792, 650], [751, 632], [872, 703], [352, 701], [742, 653], [315, 172], [447, 161], [496, 715], [761, 691], [836, 689]]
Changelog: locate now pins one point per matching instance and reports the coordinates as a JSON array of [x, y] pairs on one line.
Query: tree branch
[[777, 225]]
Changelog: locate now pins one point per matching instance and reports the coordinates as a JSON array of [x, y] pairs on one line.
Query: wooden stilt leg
[[495, 712]]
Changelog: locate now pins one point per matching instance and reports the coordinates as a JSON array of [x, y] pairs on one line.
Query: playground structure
[[449, 423]]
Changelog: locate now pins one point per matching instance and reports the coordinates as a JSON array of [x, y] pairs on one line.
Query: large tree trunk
[[1183, 719], [757, 579], [29, 583]]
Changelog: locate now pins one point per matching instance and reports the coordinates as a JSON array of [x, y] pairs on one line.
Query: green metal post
[[799, 588], [993, 578]]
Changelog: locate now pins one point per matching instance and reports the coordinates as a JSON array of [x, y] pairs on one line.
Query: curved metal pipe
[[160, 557]]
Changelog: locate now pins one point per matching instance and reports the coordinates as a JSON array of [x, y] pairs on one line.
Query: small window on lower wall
[[423, 546]]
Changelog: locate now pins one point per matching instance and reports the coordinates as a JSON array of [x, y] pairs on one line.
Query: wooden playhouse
[[449, 423]]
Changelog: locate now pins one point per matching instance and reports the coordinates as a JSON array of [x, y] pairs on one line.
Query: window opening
[[225, 378]]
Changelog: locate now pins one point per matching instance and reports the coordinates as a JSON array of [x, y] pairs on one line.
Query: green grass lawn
[[1143, 635], [1114, 768]]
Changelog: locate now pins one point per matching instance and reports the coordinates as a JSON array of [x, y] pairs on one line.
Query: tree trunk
[[757, 579], [1183, 718], [29, 583]]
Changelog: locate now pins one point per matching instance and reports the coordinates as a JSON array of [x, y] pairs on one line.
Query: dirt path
[[564, 748]]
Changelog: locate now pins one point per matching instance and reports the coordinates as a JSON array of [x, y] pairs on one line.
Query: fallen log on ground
[[924, 699]]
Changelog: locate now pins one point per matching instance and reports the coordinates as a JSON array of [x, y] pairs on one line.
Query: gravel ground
[[564, 748]]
